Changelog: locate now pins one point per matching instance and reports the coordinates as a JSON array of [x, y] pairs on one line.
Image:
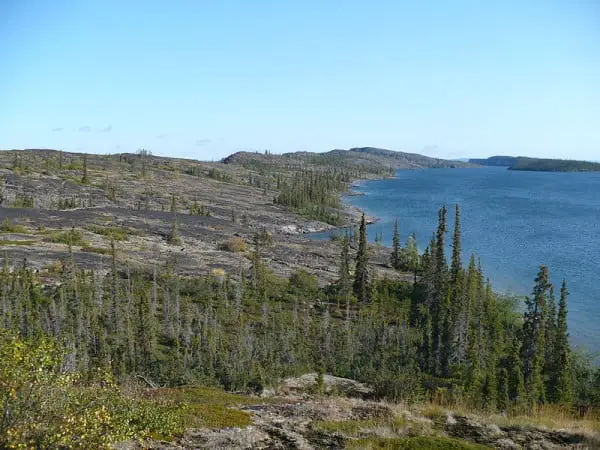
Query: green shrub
[[91, 249], [112, 232], [70, 237], [68, 414], [8, 226], [23, 201]]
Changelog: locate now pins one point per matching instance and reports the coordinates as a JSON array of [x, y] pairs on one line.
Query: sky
[[203, 79]]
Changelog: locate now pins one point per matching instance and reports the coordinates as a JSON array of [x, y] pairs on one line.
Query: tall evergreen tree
[[534, 339], [561, 388], [439, 305], [395, 257], [456, 264], [361, 274], [345, 283], [84, 177]]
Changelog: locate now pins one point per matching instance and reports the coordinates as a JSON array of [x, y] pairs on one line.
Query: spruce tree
[[534, 340], [439, 307], [562, 390], [344, 280], [395, 258], [174, 235], [84, 177], [516, 383], [456, 264], [361, 274]]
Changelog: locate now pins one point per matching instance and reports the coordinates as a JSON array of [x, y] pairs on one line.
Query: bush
[[71, 237], [23, 201], [7, 226], [114, 232], [235, 245], [100, 250], [68, 414]]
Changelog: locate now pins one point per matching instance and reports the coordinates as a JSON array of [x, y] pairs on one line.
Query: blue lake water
[[514, 221]]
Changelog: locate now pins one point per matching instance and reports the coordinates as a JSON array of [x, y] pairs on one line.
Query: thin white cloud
[[201, 142]]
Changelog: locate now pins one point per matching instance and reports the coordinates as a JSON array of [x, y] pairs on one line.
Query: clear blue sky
[[203, 79]]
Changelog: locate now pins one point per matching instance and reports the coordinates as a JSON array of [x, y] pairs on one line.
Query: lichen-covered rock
[[309, 384]]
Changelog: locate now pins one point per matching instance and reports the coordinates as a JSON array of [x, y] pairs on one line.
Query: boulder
[[308, 384]]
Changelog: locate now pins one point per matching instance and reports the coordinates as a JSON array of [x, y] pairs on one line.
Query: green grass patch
[[8, 226], [208, 407], [92, 249], [113, 232], [414, 443], [7, 242], [72, 237], [433, 412]]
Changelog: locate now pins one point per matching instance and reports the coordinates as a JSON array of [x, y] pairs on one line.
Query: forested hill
[[495, 161], [554, 165], [538, 164], [367, 159]]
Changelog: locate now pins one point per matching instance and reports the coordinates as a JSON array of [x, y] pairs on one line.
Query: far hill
[[495, 161], [538, 164], [366, 159]]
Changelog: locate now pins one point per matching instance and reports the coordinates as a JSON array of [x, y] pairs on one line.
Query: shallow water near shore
[[514, 221]]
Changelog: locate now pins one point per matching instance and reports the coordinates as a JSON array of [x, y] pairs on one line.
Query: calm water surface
[[514, 221]]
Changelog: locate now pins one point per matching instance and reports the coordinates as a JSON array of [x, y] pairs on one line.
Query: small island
[[538, 164]]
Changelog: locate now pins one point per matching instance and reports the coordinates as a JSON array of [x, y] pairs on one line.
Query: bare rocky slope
[[43, 194]]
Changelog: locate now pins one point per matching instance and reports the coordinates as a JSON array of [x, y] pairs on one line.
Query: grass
[[7, 242], [357, 428], [114, 232], [551, 417], [8, 226], [208, 407], [433, 411], [414, 443], [91, 249]]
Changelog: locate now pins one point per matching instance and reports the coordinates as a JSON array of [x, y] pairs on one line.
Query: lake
[[514, 221]]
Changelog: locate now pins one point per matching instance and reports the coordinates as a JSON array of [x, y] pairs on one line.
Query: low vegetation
[[235, 245], [113, 232], [69, 237], [414, 443], [8, 226], [70, 410]]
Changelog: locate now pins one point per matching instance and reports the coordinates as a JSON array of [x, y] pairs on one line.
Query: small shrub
[[67, 413], [71, 237], [235, 244], [8, 226], [100, 250], [218, 273], [111, 232], [23, 201]]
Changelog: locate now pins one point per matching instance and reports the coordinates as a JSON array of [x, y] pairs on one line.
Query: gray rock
[[307, 384]]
